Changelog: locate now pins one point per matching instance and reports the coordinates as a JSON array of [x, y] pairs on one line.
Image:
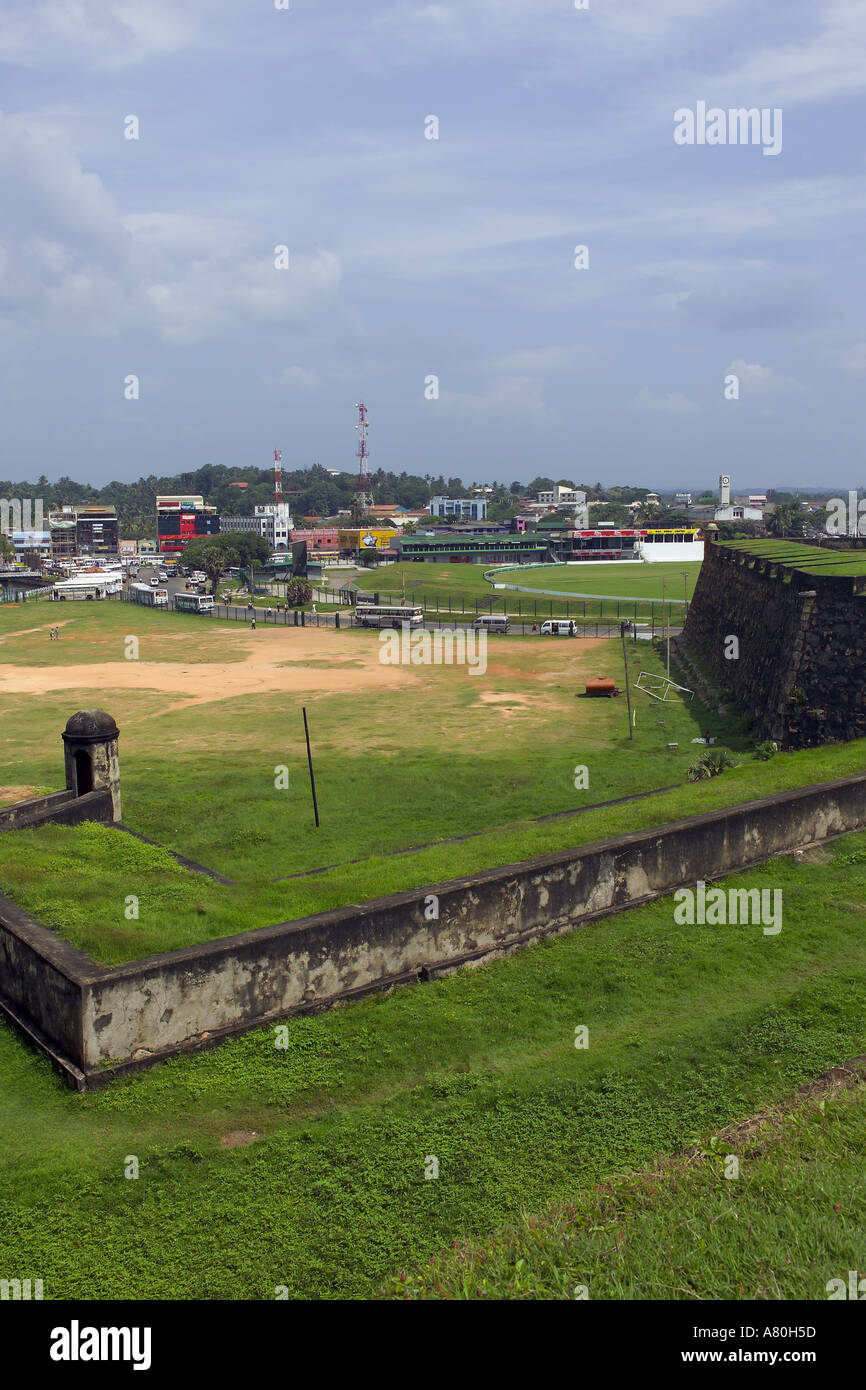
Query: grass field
[[305, 1167], [692, 1226], [405, 756], [209, 712], [465, 589]]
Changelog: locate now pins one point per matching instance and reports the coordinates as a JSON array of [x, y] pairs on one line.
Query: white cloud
[[545, 359], [518, 393], [671, 404], [760, 379], [97, 32]]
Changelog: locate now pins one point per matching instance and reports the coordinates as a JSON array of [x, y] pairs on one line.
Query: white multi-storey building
[[272, 521], [463, 508]]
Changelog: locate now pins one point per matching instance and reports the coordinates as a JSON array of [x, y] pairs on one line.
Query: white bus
[[151, 598], [388, 614], [193, 603], [80, 591], [98, 584]]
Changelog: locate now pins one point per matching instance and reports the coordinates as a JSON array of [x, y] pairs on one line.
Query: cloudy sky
[[409, 257]]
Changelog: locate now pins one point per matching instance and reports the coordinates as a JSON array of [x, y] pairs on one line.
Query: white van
[[491, 622], [559, 627]]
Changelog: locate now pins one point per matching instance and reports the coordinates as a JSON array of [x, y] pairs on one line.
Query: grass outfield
[[210, 712], [464, 586], [305, 1168]]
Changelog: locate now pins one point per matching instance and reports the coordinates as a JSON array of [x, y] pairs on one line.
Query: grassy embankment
[[690, 1030]]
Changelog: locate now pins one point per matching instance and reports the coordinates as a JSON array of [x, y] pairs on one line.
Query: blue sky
[[412, 257]]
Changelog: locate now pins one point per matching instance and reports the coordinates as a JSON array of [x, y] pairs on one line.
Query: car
[[154, 582], [559, 627], [163, 576], [491, 622]]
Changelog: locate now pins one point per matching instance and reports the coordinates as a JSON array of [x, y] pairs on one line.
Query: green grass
[[682, 1229], [690, 1028], [809, 558], [77, 879], [466, 589], [476, 757], [396, 768]]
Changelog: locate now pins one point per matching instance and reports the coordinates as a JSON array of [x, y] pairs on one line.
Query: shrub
[[298, 592], [711, 764], [765, 751]]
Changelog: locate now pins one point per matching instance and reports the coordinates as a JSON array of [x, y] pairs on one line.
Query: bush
[[765, 751], [712, 764], [298, 592]]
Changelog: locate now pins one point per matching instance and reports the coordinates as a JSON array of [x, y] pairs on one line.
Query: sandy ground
[[334, 665], [10, 795]]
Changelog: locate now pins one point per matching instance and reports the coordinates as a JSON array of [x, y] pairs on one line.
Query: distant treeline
[[312, 492]]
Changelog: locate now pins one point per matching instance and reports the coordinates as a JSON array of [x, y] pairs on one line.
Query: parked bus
[[389, 614], [151, 598], [81, 591], [193, 603], [95, 585]]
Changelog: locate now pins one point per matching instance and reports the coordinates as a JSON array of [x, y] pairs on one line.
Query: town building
[[358, 540], [321, 540], [464, 508], [738, 512], [182, 518], [455, 548], [561, 496], [272, 521], [76, 529]]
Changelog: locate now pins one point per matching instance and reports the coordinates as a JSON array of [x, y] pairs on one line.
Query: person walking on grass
[[253, 624]]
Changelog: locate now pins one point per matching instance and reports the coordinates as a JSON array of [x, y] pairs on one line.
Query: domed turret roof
[[90, 725]]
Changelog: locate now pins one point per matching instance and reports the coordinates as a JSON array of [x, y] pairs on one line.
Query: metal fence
[[654, 612]]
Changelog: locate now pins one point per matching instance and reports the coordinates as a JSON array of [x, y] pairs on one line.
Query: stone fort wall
[[802, 645], [97, 1023]]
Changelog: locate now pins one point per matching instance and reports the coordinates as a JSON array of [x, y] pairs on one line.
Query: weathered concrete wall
[[799, 673], [32, 812], [136, 1013], [41, 982], [58, 808]]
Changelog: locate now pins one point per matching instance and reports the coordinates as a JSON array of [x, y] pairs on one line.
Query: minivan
[[491, 622], [559, 627]]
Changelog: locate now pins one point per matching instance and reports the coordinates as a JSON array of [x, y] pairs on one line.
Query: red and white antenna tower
[[278, 476], [363, 486]]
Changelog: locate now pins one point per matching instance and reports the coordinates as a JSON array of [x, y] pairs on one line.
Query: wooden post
[[312, 777], [627, 690]]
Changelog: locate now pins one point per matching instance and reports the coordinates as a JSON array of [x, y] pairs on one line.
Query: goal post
[[659, 687]]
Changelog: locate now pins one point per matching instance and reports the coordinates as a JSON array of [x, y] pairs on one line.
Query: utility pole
[[627, 689], [310, 762], [666, 630]]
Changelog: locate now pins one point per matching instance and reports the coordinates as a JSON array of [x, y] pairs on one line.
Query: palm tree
[[786, 520]]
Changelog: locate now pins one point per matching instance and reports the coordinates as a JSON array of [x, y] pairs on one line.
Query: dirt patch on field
[[322, 661], [9, 795], [492, 697], [29, 631], [237, 1138]]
